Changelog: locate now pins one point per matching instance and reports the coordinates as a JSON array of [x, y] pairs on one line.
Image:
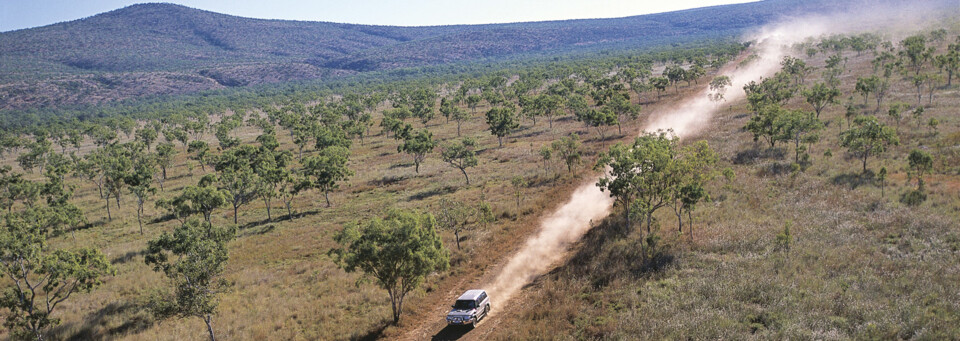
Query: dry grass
[[283, 284], [860, 266]]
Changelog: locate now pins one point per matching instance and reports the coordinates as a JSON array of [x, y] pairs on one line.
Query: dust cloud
[[589, 204]]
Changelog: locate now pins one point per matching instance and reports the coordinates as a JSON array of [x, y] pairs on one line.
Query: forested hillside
[[152, 49]]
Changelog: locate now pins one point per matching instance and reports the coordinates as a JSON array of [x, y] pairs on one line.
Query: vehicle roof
[[470, 295]]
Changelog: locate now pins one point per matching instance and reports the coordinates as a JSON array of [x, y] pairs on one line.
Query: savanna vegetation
[[353, 210]]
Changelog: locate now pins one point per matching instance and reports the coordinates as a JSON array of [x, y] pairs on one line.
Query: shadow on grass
[[753, 155], [451, 333], [373, 335], [387, 180], [135, 319], [433, 192], [267, 225], [854, 180], [127, 257], [610, 251], [402, 165]]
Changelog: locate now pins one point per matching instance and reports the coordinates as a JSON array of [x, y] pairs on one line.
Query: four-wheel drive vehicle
[[469, 309]]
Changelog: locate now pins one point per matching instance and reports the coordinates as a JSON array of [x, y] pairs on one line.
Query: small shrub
[[913, 197]]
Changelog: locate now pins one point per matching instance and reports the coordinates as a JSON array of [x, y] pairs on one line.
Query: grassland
[[859, 265]]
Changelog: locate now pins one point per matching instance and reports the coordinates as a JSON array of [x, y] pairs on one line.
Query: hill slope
[[150, 49]]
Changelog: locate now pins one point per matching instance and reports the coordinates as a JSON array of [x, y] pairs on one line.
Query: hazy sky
[[17, 14]]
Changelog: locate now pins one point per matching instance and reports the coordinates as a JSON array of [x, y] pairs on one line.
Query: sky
[[19, 14]]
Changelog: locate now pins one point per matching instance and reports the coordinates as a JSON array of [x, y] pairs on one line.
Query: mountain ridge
[[99, 58]]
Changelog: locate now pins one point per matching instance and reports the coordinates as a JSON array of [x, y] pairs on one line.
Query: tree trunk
[[326, 196], [865, 156], [163, 169], [209, 321], [266, 202], [458, 128], [464, 171], [109, 217], [235, 207], [456, 234], [139, 214]]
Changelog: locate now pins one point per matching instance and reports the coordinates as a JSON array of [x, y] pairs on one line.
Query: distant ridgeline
[[146, 53]]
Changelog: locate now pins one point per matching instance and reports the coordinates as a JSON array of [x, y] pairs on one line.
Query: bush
[[913, 197]]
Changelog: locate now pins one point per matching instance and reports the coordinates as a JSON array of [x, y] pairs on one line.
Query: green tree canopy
[[397, 251]]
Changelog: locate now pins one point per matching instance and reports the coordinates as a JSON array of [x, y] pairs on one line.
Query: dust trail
[[589, 204]]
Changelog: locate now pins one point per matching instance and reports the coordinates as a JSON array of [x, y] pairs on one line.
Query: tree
[[454, 215], [147, 135], [200, 199], [140, 182], [920, 162], [882, 176], [461, 155], [800, 127], [398, 251], [718, 87], [867, 85], [918, 115], [192, 258], [271, 169], [766, 124], [691, 171], [568, 148], [455, 113], [548, 105], [599, 119], [675, 74], [518, 183], [896, 112], [200, 151], [290, 187], [325, 170], [914, 48], [237, 177], [165, 154], [868, 137], [641, 175], [660, 84], [418, 146], [502, 121], [619, 104], [820, 95], [950, 62], [38, 277]]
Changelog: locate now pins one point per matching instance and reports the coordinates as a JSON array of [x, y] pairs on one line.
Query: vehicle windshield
[[465, 304]]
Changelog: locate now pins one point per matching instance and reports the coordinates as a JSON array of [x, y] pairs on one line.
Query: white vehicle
[[469, 309]]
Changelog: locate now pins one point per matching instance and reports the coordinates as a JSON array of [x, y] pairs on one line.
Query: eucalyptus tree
[[39, 277], [200, 152], [192, 258], [418, 146], [502, 121], [164, 157], [820, 95], [454, 215], [236, 175], [568, 149], [399, 251], [868, 138], [326, 170], [640, 177], [140, 181], [461, 155]]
